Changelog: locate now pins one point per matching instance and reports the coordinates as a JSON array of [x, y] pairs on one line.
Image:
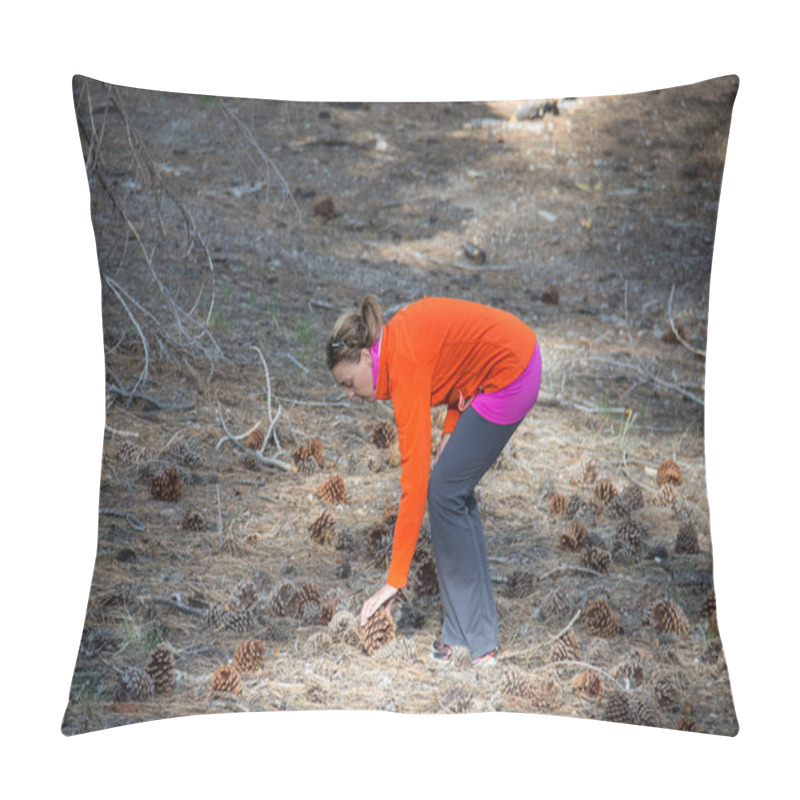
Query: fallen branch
[[131, 519], [236, 440]]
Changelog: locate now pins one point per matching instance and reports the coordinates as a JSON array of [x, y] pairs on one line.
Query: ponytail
[[354, 331]]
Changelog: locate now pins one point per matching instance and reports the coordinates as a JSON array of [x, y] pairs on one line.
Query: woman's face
[[356, 376]]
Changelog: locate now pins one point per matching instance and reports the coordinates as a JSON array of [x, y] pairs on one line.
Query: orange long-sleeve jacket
[[440, 351]]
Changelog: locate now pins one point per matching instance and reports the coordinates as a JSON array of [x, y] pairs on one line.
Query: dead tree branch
[[675, 330]]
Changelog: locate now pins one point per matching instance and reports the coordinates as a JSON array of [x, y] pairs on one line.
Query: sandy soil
[[216, 250]]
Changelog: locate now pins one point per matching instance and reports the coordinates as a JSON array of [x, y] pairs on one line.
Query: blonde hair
[[355, 330]]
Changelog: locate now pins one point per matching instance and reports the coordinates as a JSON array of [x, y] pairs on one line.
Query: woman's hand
[[441, 447], [384, 595]]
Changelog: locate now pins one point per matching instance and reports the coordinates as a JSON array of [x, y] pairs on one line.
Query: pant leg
[[470, 616]]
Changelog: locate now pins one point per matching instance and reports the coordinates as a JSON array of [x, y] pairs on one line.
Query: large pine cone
[[161, 668], [643, 708], [323, 529], [383, 435], [688, 724], [666, 617], [595, 558], [668, 472], [328, 609], [227, 679], [378, 631], [587, 684], [601, 619], [254, 440], [193, 520], [166, 485], [579, 510], [517, 683], [221, 617], [558, 505], [393, 455], [309, 594], [249, 655], [332, 490], [574, 537]]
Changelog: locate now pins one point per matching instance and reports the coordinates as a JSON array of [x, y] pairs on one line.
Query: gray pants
[[470, 616]]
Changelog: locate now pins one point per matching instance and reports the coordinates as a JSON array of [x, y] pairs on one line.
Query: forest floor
[[611, 200]]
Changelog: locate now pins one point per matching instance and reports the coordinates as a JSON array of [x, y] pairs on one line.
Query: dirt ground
[[217, 248]]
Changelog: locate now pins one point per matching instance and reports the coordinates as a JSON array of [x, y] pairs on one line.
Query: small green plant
[[305, 331], [218, 321]]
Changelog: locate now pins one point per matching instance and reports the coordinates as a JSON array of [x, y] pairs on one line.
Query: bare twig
[[131, 519]]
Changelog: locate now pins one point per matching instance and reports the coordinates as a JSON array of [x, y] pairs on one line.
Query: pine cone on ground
[[668, 472], [709, 604], [595, 558], [665, 496], [520, 584], [220, 617], [379, 538], [185, 452], [686, 541], [254, 440], [309, 594], [515, 682], [633, 497], [193, 520], [556, 605], [328, 609], [226, 679], [631, 669], [130, 453], [565, 648], [393, 457], [365, 461], [558, 505], [604, 491], [332, 490], [308, 457], [244, 595], [688, 724], [550, 295], [166, 485], [383, 435], [579, 510], [601, 619], [587, 684], [378, 631], [344, 627], [643, 707], [671, 337], [135, 684], [456, 700], [628, 542], [325, 208], [617, 508], [618, 707], [161, 668], [323, 529], [284, 601], [668, 691], [584, 472], [666, 617], [249, 655], [574, 537], [546, 695]]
